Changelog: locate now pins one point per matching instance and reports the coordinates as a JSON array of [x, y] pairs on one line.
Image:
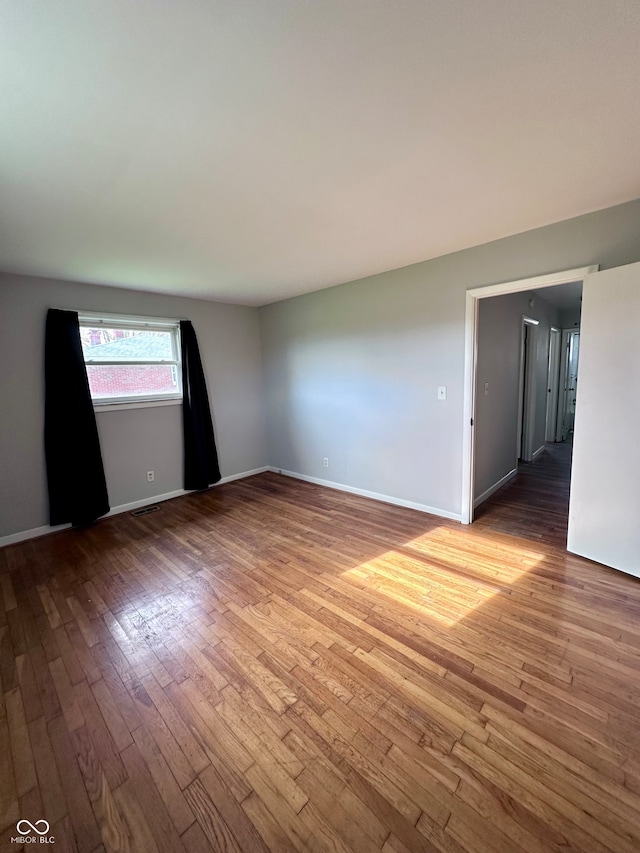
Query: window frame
[[91, 320]]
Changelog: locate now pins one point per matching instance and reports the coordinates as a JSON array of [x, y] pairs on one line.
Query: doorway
[[522, 481], [527, 390], [569, 387], [474, 298], [553, 384]]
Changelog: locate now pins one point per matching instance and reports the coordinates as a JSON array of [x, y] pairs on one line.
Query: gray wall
[[351, 372], [570, 318], [132, 441], [499, 342]]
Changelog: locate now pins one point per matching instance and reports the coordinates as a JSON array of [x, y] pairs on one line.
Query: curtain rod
[[107, 315]]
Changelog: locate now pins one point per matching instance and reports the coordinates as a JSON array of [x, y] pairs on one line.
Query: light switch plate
[[442, 392]]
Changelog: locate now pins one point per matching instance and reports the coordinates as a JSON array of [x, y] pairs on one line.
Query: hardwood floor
[[276, 666], [535, 504]]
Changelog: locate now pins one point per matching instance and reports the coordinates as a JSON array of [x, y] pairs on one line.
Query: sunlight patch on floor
[[445, 575]]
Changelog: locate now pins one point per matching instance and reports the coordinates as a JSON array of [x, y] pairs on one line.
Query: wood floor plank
[[269, 829], [103, 743], [139, 835], [195, 841], [298, 832], [150, 801], [219, 742], [8, 594], [82, 818], [322, 778], [211, 821], [164, 780], [273, 756], [111, 714], [125, 704], [192, 750], [235, 818], [49, 783], [177, 761], [28, 687], [66, 695], [515, 821], [8, 793], [380, 781], [23, 765]]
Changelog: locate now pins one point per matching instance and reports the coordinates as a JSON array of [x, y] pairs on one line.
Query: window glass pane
[[125, 344], [131, 380]]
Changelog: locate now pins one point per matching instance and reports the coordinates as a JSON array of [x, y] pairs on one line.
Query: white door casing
[[470, 362], [568, 386], [527, 390], [553, 383]]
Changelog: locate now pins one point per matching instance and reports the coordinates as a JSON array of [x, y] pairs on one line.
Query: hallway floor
[[535, 504]]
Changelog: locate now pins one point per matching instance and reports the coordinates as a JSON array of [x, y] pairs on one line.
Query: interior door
[[604, 511]]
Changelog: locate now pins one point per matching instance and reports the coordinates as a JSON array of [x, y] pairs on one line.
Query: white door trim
[[527, 390], [564, 381], [470, 362], [553, 383]]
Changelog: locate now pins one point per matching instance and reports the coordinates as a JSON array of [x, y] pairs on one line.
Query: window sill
[[142, 404]]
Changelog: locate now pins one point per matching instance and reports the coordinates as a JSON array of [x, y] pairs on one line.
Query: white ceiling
[[249, 151]]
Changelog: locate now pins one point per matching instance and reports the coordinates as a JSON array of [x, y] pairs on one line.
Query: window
[[131, 359]]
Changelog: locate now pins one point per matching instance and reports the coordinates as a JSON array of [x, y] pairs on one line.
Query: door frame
[[565, 374], [553, 384], [473, 297], [527, 389]]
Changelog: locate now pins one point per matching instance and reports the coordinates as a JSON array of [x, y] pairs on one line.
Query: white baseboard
[[155, 499], [537, 453], [243, 475], [501, 482], [35, 532], [387, 499]]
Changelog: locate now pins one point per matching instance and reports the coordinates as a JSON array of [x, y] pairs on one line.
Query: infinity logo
[[20, 826]]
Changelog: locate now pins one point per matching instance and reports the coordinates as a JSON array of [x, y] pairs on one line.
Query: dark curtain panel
[[77, 487], [201, 467]]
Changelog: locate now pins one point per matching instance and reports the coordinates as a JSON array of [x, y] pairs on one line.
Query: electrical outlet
[[151, 476], [325, 461]]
